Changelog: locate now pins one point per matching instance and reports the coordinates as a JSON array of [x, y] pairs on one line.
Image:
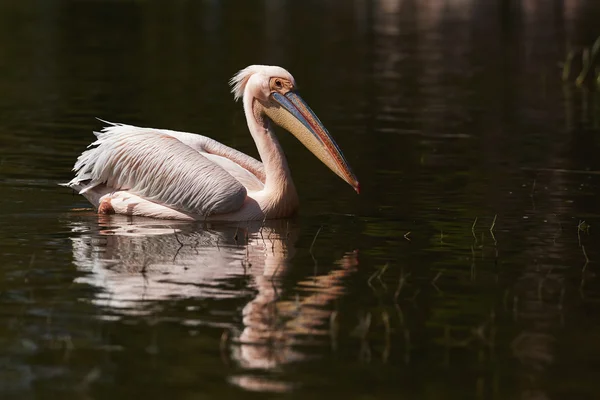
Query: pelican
[[167, 174]]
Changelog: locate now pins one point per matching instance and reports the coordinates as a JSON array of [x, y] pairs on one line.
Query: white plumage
[[178, 175], [159, 168]]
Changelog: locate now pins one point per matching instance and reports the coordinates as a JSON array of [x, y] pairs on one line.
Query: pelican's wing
[[212, 147], [201, 144], [159, 168], [245, 169]]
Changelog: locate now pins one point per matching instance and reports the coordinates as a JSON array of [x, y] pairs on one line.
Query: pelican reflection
[[139, 265]]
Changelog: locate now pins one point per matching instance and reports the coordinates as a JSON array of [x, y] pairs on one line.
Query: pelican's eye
[[280, 85]]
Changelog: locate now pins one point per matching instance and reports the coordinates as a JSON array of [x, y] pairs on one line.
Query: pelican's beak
[[293, 114]]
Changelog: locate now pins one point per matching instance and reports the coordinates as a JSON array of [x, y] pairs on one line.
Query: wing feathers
[[159, 168]]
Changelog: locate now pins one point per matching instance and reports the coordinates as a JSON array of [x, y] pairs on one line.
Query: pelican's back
[[159, 168]]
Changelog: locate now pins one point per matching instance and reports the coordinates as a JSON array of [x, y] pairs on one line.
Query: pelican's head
[[272, 91]]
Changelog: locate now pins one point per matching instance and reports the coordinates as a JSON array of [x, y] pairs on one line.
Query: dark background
[[455, 119]]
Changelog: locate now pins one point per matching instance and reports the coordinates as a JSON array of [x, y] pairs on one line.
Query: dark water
[[451, 113]]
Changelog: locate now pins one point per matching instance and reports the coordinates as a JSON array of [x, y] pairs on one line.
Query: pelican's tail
[[79, 185]]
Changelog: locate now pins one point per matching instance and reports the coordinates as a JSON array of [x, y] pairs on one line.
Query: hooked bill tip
[[357, 188]]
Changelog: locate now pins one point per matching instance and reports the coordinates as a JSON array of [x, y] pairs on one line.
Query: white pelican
[[177, 175]]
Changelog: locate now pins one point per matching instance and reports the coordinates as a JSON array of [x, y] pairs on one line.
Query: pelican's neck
[[278, 179]]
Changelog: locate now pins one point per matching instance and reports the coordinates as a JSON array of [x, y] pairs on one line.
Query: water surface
[[467, 267]]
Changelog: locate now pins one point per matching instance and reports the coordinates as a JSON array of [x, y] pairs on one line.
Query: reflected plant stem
[[362, 329], [91, 377], [473, 230], [315, 239], [587, 260], [364, 354], [400, 313], [310, 251], [567, 65], [386, 323], [482, 247], [377, 274], [532, 194], [274, 280], [434, 280], [401, 282], [492, 231], [414, 297], [473, 273]]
